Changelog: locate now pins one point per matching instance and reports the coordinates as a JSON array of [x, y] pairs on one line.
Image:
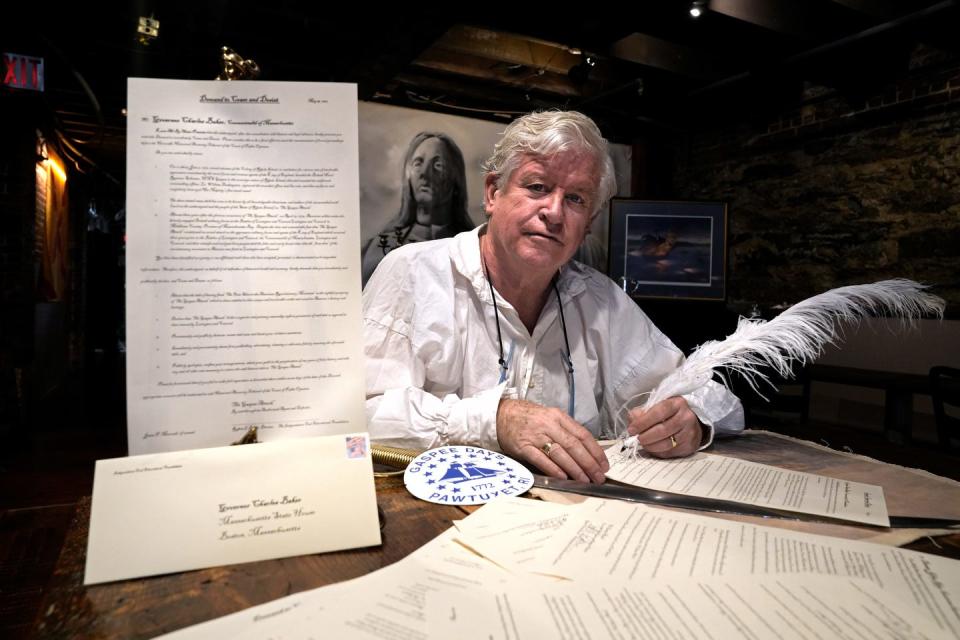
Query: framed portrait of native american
[[669, 249]]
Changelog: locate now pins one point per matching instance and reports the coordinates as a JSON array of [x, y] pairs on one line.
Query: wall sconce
[[42, 153], [45, 162]]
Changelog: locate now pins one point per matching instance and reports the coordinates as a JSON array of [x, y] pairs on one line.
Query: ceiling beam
[[450, 95], [874, 8], [518, 76], [788, 17], [934, 11], [649, 51], [505, 47], [482, 97]]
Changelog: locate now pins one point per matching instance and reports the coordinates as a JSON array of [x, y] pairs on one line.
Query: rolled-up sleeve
[[401, 413]]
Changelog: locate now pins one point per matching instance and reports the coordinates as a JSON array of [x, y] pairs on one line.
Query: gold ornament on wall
[[235, 67]]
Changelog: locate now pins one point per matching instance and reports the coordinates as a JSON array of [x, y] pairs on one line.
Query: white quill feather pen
[[796, 335]]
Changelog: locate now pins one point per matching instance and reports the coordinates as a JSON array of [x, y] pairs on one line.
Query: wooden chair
[[787, 401], [945, 391]]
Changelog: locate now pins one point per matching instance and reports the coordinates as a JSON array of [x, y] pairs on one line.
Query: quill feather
[[796, 335]]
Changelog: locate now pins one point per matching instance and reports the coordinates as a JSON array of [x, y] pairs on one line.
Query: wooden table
[[151, 606]]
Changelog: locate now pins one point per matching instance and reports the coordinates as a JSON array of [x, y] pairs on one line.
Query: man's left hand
[[668, 429]]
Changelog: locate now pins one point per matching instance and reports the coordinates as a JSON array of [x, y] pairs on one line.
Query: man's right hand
[[524, 430]]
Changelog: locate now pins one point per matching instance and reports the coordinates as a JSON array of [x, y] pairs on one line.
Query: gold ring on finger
[[547, 447], [673, 442]]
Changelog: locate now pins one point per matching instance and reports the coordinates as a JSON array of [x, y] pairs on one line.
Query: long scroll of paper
[[728, 478], [243, 275]]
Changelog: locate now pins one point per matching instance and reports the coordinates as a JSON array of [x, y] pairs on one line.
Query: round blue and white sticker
[[462, 475]]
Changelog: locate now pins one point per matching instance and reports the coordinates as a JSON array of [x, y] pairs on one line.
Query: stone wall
[[837, 190]]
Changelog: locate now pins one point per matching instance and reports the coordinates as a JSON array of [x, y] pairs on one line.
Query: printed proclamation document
[[242, 262]]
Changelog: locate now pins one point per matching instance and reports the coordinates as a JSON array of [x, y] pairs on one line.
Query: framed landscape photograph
[[664, 249]]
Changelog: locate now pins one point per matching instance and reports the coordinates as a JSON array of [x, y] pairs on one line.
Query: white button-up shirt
[[430, 340]]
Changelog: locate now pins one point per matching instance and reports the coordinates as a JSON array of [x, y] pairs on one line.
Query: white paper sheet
[[167, 512], [510, 533], [789, 586], [281, 619], [633, 542], [726, 478], [796, 609], [395, 604], [389, 603], [242, 262]]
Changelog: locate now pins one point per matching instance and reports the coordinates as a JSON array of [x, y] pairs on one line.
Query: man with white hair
[[495, 338]]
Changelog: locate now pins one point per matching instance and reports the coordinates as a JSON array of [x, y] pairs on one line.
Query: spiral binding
[[392, 456]]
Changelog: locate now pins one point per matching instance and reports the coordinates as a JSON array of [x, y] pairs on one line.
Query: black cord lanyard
[[568, 359], [496, 315]]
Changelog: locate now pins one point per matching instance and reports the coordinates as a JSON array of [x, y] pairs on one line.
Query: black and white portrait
[[433, 198], [420, 176]]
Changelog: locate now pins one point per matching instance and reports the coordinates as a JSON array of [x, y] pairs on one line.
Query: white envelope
[[169, 512]]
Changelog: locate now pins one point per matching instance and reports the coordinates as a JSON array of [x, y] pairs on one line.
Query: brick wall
[[837, 190]]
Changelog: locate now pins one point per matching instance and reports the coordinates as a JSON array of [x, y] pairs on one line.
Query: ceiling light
[[697, 7]]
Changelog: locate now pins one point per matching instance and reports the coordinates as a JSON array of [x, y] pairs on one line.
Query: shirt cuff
[[473, 421], [706, 438], [717, 407]]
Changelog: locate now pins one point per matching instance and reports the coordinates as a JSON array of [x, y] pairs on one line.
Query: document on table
[[166, 512], [791, 586], [632, 542], [510, 533], [242, 262], [799, 608], [389, 603], [725, 478], [281, 619], [397, 600]]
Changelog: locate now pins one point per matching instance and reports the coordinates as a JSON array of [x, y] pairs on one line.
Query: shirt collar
[[465, 256]]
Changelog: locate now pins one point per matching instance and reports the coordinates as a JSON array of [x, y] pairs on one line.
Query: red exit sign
[[22, 72]]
